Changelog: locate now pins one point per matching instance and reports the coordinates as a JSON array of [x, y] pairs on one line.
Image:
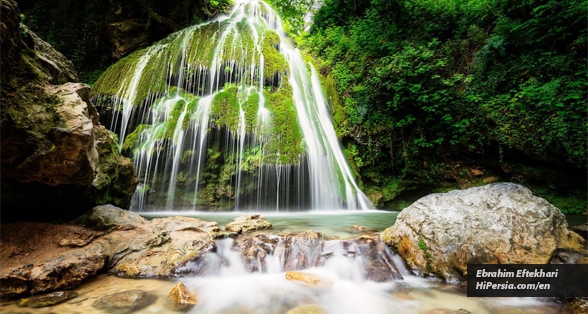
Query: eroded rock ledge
[[43, 257]]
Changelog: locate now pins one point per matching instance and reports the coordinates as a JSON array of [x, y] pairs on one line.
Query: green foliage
[[418, 83], [294, 13]]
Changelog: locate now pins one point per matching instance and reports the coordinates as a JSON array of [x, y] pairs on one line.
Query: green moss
[[274, 62], [340, 118], [224, 110], [423, 247], [152, 79], [131, 141], [172, 122], [251, 106], [285, 139]]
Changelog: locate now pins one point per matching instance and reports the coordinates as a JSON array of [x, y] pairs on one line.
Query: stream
[[232, 289]]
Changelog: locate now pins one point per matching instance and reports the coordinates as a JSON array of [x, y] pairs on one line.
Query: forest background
[[426, 95]]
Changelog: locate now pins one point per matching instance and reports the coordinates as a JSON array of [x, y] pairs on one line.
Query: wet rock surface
[[181, 298], [248, 223], [254, 249], [135, 248], [499, 223], [302, 250], [47, 299], [124, 301], [307, 309], [379, 265], [308, 278]]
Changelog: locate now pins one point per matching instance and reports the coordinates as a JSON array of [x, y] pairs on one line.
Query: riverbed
[[234, 290]]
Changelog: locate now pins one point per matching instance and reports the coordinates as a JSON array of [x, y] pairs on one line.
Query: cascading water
[[227, 115]]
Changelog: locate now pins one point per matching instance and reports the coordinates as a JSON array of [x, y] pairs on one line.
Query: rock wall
[[57, 160]]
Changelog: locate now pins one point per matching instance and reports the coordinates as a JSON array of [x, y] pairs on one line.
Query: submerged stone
[[181, 298], [308, 278], [124, 301], [308, 309], [47, 299]]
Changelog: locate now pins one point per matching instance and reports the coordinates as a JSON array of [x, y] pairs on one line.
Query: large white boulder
[[497, 223]]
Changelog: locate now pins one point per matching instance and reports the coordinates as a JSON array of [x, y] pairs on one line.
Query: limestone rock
[[47, 299], [248, 223], [106, 217], [308, 278], [497, 223], [303, 250], [158, 249], [56, 67], [135, 248], [180, 298], [124, 301], [255, 248], [64, 272]]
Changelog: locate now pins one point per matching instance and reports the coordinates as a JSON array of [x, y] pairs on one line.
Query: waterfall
[[227, 115]]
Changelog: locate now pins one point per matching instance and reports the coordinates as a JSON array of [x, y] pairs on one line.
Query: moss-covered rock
[[57, 160]]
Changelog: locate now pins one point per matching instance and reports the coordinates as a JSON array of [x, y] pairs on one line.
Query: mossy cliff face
[[203, 111], [57, 161]]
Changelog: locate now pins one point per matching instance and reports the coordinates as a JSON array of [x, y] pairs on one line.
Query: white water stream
[[227, 287]]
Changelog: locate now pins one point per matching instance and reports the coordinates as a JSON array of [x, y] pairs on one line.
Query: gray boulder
[[497, 223]]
